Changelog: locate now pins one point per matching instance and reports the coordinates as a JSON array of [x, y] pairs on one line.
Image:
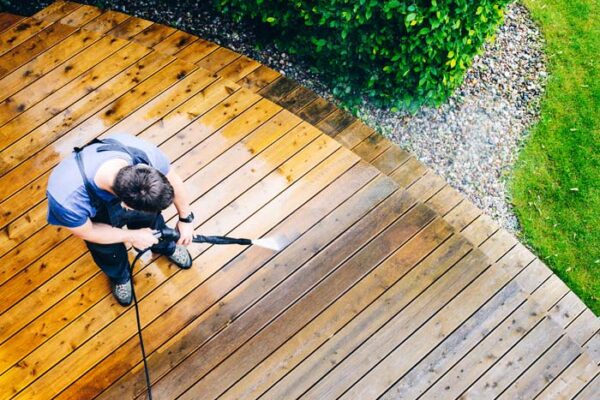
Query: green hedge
[[395, 52]]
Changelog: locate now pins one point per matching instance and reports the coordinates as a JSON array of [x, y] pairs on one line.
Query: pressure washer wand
[[172, 235]]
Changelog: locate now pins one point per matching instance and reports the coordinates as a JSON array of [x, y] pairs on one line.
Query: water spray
[[172, 235]]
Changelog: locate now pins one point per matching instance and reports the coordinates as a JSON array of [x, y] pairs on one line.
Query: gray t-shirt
[[68, 202]]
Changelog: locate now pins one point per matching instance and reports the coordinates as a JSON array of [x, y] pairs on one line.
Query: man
[[121, 180]]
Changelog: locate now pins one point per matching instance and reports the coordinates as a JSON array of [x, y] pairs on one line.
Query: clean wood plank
[[63, 123], [19, 33], [49, 93], [29, 278], [32, 47], [167, 101], [175, 43], [153, 35], [302, 344], [7, 20], [56, 10], [228, 136], [54, 103], [81, 16], [201, 183], [248, 124], [189, 114], [129, 28], [567, 310], [106, 21], [224, 190], [529, 280], [20, 257], [217, 59], [227, 308], [17, 231], [551, 286], [499, 243], [571, 380], [543, 371], [197, 50], [47, 61], [16, 205], [238, 69], [55, 379]]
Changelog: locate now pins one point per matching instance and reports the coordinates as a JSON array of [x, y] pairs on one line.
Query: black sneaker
[[181, 257], [122, 292]]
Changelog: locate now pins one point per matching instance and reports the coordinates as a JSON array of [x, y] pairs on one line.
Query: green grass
[[556, 183]]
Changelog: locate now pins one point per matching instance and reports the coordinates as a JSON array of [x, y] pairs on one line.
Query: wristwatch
[[188, 219]]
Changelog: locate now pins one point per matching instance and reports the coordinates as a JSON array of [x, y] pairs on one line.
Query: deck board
[[8, 20], [391, 283]]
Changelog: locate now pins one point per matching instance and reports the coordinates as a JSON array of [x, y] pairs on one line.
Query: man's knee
[[111, 258]]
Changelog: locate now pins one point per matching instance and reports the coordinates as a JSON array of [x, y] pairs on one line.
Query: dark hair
[[143, 188]]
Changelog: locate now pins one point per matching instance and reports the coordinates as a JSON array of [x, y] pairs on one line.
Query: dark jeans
[[112, 258]]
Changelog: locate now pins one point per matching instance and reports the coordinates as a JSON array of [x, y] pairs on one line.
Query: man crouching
[[115, 182]]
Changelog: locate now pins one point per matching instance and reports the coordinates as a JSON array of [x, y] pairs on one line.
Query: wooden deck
[[391, 284]]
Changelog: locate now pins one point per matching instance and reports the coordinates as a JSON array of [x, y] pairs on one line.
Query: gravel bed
[[472, 141]]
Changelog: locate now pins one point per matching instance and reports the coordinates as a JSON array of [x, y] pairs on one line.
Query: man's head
[[143, 188]]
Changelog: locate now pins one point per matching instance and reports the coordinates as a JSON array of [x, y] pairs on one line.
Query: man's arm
[[105, 234], [181, 201]]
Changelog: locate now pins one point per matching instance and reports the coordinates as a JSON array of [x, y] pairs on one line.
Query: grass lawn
[[556, 184]]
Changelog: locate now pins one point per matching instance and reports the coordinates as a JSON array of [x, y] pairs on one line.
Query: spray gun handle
[[167, 234]]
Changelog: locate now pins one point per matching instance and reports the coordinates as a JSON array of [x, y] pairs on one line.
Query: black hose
[[139, 324]]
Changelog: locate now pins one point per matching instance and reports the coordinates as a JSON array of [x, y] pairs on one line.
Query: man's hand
[[142, 238], [186, 232]]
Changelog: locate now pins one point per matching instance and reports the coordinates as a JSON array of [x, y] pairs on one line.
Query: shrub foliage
[[395, 52]]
